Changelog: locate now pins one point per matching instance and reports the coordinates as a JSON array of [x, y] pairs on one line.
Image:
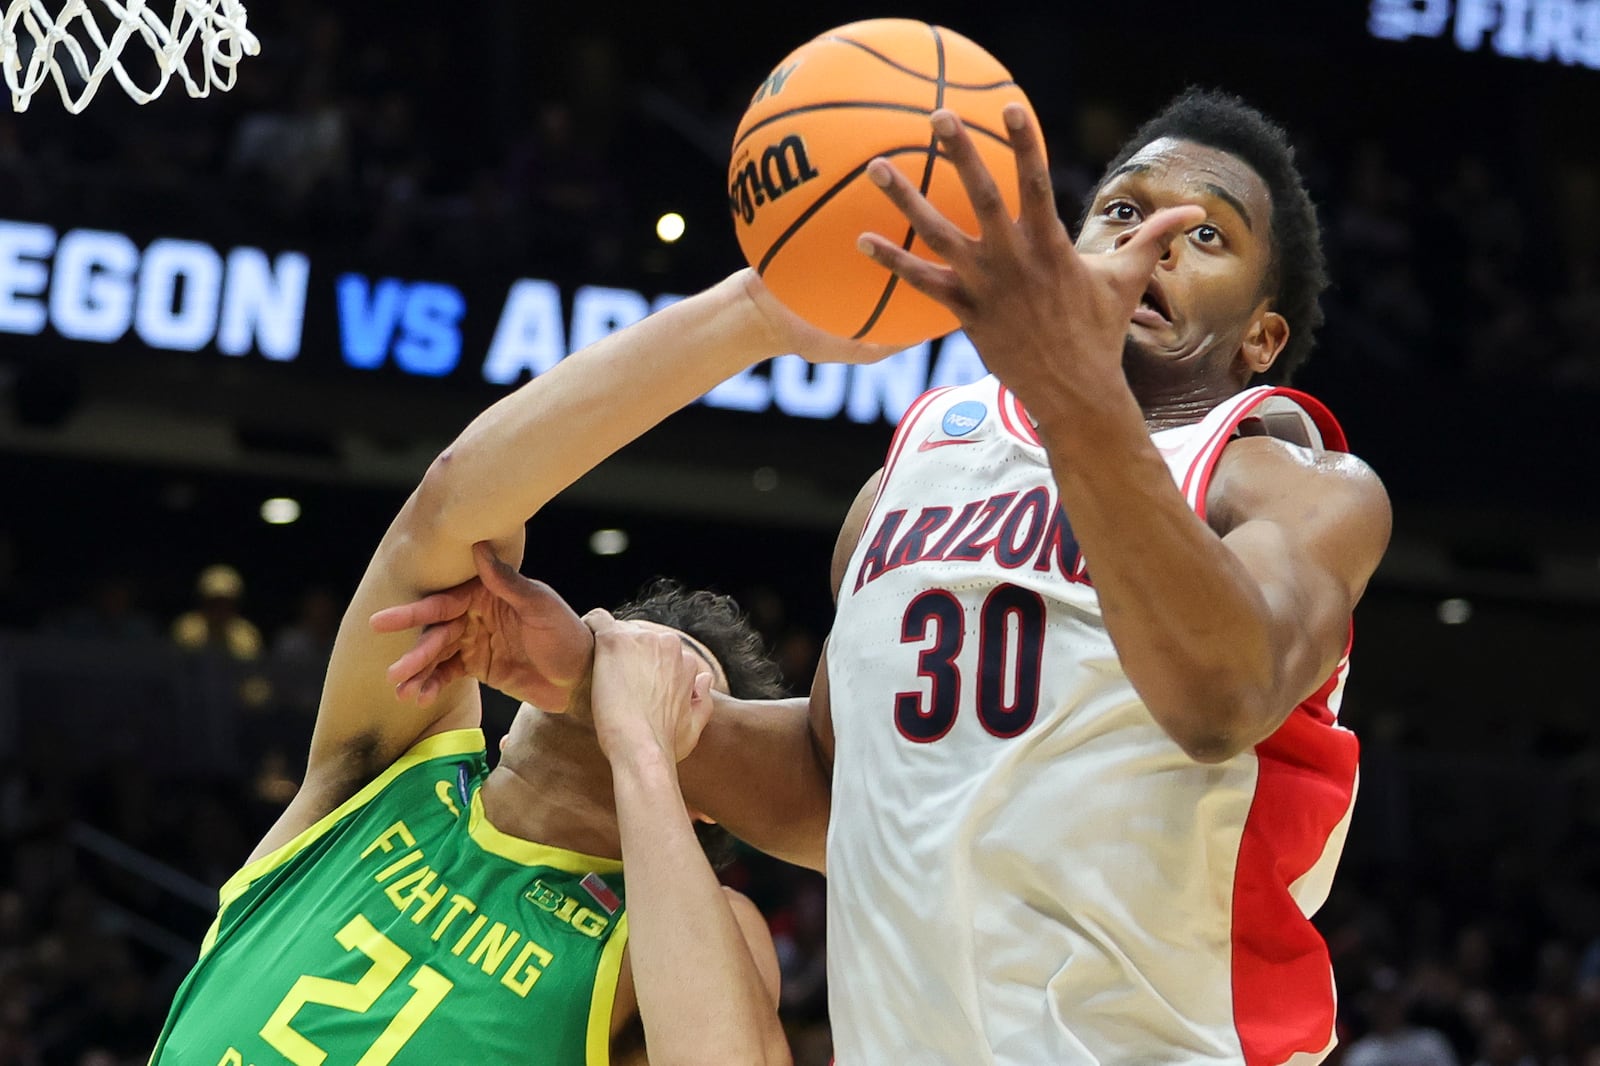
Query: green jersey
[[404, 928]]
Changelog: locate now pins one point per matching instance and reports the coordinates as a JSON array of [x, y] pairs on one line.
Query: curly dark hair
[[718, 622], [1297, 272]]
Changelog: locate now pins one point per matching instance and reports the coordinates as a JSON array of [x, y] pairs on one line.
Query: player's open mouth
[[1152, 309], [1151, 317]]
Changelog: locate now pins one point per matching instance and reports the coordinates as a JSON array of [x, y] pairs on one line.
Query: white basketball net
[[71, 47]]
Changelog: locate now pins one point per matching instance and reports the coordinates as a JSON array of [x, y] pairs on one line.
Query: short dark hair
[[1297, 272], [718, 622]]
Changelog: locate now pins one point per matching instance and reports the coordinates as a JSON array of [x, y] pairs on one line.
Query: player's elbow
[[437, 506], [1210, 746], [1217, 728]]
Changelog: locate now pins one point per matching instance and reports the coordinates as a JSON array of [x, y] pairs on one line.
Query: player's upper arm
[[855, 521], [361, 727], [758, 938], [844, 549], [1310, 528]]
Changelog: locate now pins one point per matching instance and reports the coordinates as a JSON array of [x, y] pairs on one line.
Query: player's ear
[[1264, 340]]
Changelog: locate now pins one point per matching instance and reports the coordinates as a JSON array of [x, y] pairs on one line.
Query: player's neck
[[1178, 411], [1182, 403], [1173, 394], [553, 786]]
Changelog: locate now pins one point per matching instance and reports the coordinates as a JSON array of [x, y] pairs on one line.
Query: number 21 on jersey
[[429, 987]]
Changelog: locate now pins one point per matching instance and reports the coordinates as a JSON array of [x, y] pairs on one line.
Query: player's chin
[[1165, 346], [1144, 347]]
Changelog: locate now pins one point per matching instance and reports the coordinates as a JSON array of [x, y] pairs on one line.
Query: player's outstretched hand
[[792, 333], [650, 693], [1034, 308], [510, 632]]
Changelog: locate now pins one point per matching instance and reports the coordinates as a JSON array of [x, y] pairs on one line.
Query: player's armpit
[[362, 725], [1310, 529]]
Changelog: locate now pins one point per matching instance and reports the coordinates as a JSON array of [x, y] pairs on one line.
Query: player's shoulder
[[1267, 455], [1257, 474]]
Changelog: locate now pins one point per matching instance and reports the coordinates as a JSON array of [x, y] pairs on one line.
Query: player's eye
[[1207, 234], [1120, 211]]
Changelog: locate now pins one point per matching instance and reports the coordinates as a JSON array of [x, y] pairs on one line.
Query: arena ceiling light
[[670, 226], [280, 511], [608, 542]]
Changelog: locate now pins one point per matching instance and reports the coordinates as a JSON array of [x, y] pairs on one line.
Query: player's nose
[[1133, 231]]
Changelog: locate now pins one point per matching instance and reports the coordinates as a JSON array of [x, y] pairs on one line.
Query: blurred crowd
[[561, 149]]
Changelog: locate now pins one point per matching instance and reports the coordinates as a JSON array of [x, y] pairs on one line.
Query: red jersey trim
[[1015, 418], [1284, 1001], [1205, 463]]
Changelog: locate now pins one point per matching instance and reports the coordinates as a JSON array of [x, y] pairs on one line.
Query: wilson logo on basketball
[[781, 168], [774, 83]]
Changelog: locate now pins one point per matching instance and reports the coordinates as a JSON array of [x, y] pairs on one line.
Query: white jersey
[[1023, 868]]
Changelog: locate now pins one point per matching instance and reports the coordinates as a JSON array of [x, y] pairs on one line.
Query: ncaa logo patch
[[964, 417]]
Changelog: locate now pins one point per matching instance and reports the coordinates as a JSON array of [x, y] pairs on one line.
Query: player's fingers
[[425, 688], [699, 706], [987, 203], [497, 575], [426, 611], [1035, 191], [1134, 260], [600, 621], [414, 688], [432, 645], [931, 279], [427, 692], [941, 235], [450, 671]]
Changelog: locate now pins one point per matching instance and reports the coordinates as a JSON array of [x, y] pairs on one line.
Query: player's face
[[700, 655], [1205, 313]]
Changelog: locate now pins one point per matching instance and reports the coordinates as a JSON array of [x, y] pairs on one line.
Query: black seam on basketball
[[902, 68], [927, 180], [805, 216], [856, 105], [862, 105]]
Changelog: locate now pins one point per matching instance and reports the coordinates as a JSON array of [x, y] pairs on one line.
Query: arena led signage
[[101, 287], [1559, 31]]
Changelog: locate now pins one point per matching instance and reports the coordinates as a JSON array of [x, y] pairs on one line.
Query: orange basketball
[[797, 184]]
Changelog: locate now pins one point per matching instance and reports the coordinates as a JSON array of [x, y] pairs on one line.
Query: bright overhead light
[[608, 542], [670, 226], [280, 511]]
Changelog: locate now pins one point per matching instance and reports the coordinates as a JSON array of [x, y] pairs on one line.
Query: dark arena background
[[300, 290]]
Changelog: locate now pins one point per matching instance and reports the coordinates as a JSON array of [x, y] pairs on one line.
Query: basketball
[[797, 183]]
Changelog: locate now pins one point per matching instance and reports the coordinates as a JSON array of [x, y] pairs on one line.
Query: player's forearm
[[1191, 626], [701, 996], [535, 442], [757, 771]]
